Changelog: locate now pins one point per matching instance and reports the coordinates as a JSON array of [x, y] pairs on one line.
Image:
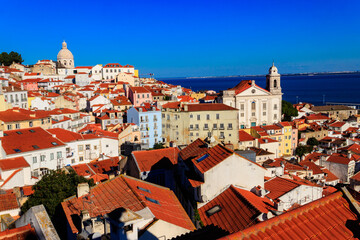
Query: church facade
[[257, 106]]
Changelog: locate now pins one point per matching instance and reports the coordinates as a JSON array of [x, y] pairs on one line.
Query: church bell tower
[[273, 81]]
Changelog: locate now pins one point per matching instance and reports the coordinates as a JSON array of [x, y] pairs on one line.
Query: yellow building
[[17, 118], [197, 95]]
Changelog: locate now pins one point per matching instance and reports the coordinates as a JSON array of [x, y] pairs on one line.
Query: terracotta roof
[[147, 159], [8, 201], [13, 163], [194, 149], [318, 116], [330, 108], [260, 151], [172, 105], [312, 166], [32, 139], [325, 218], [209, 107], [124, 191], [337, 124], [243, 85], [139, 90], [338, 158], [329, 175], [356, 177], [69, 136], [212, 157], [266, 140], [20, 233], [314, 156], [244, 136], [239, 209], [279, 186]]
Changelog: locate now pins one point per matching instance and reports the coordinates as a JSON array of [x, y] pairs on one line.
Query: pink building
[[139, 95], [30, 84]]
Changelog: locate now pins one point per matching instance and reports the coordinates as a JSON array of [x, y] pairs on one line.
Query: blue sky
[[189, 38]]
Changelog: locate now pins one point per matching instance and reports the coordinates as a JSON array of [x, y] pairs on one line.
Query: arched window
[[64, 62], [275, 83], [253, 106]]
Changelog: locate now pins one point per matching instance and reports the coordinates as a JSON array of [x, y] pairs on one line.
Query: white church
[[257, 106]]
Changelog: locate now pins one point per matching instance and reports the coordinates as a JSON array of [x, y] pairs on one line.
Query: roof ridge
[[244, 198], [273, 222]]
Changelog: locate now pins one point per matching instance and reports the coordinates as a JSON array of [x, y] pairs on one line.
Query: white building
[[111, 70], [257, 106], [65, 61], [85, 148]]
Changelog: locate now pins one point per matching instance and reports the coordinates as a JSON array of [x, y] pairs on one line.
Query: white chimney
[[82, 189]]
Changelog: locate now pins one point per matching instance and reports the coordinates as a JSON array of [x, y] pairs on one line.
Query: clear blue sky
[[189, 38]]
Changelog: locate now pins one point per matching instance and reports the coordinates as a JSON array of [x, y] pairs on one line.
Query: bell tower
[[273, 81]]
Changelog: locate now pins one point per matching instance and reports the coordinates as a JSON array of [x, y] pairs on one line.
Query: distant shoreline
[[263, 75]]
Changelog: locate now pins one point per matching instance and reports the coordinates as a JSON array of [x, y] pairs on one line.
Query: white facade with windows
[[257, 106], [17, 98]]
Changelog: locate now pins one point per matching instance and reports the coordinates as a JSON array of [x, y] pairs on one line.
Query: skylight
[[17, 150], [213, 210], [35, 146], [31, 130], [19, 132], [152, 200], [54, 143], [203, 157], [143, 189]]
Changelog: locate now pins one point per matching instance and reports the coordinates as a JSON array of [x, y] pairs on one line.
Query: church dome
[[273, 69], [64, 53]]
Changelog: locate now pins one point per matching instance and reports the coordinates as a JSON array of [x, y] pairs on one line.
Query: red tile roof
[[337, 124], [8, 201], [244, 136], [318, 116], [32, 139], [194, 149], [326, 218], [266, 140], [13, 163], [312, 166], [69, 136], [123, 192], [139, 90], [147, 159], [239, 209], [20, 233], [279, 186], [339, 158], [172, 105], [243, 85], [356, 177], [209, 107]]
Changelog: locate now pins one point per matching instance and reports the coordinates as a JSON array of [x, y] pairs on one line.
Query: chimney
[[186, 108], [252, 83], [85, 215], [349, 155], [82, 189]]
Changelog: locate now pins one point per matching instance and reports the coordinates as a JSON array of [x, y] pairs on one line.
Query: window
[[275, 106], [196, 126], [264, 106], [264, 113], [17, 125], [191, 116], [42, 158], [207, 117], [242, 114], [221, 126], [222, 135], [217, 116], [215, 126], [191, 134], [34, 159], [81, 159], [191, 126], [242, 106], [242, 126], [206, 126], [152, 200], [9, 127], [230, 126], [59, 155], [275, 116], [51, 156], [81, 148], [253, 106], [30, 124], [87, 146], [198, 117]]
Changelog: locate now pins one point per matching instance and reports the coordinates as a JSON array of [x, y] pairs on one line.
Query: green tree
[[302, 150], [312, 142], [288, 110], [8, 58], [53, 188], [158, 146]]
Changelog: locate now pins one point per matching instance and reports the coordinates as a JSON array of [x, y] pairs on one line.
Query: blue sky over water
[[189, 38]]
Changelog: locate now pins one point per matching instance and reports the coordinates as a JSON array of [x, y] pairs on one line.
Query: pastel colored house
[[139, 95], [148, 118]]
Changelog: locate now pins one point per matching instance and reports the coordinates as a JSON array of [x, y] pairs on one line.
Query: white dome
[[64, 53], [273, 70]]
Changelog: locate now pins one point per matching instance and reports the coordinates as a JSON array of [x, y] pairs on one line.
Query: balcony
[[206, 128], [229, 128], [222, 137], [221, 128]]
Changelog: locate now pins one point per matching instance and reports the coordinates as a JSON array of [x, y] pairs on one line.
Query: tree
[[312, 142], [158, 146], [53, 188], [8, 58], [288, 110], [302, 150]]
